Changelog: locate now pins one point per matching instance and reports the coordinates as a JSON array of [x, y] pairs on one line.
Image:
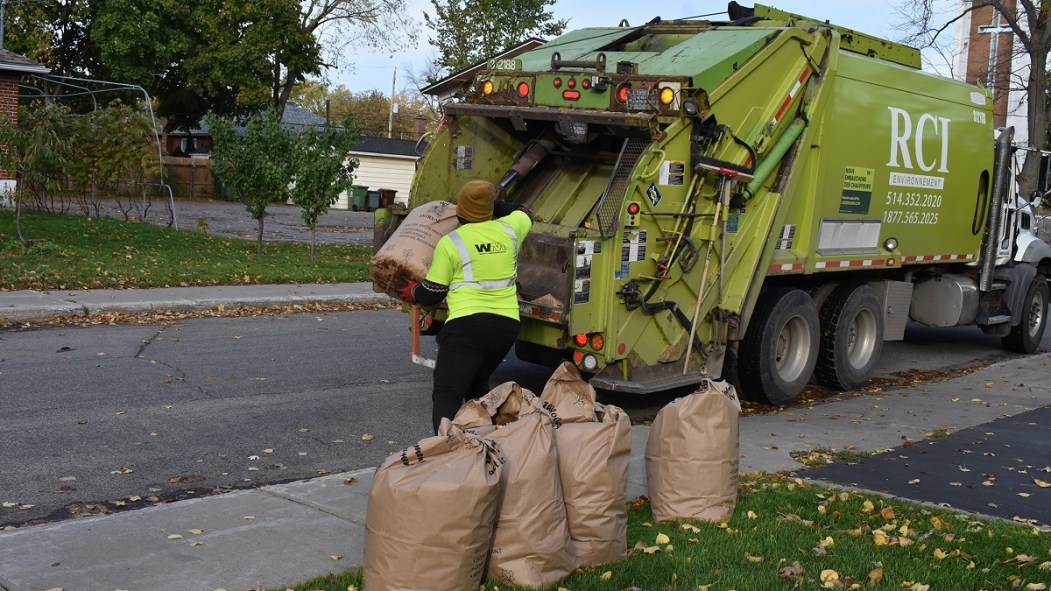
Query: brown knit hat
[[475, 203]]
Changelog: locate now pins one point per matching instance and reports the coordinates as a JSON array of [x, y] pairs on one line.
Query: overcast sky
[[376, 71]]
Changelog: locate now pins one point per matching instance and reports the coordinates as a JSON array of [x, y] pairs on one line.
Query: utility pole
[[1, 24], [390, 116]]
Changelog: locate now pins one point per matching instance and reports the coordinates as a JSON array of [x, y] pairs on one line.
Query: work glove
[[405, 293]]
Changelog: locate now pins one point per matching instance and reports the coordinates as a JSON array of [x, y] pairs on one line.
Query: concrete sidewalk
[[32, 305], [275, 536]]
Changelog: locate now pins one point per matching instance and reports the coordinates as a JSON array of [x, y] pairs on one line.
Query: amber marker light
[[487, 87], [667, 95], [597, 341]]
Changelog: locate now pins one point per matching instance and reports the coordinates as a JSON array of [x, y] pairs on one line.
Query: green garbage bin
[[356, 198]]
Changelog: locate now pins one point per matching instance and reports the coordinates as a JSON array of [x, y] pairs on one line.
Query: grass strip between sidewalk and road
[[78, 252], [787, 534]]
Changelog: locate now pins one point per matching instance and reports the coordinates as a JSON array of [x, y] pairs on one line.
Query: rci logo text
[[927, 126], [490, 248]]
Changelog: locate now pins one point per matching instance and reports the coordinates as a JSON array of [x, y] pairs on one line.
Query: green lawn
[[78, 252], [789, 535]]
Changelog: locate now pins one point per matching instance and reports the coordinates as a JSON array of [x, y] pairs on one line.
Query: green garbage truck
[[765, 199]]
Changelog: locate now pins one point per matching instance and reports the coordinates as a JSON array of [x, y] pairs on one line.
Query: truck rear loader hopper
[[766, 199]]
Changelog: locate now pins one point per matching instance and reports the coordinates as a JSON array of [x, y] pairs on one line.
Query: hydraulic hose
[[765, 168]]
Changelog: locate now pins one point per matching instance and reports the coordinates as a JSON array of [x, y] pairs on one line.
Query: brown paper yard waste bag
[[408, 253], [530, 545], [693, 453], [594, 447], [431, 513]]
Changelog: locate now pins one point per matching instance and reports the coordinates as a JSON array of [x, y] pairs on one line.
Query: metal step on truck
[[765, 199]]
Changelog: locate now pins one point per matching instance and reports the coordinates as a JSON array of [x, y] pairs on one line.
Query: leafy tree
[[256, 166], [468, 31], [322, 171], [337, 25], [53, 32], [1030, 21], [196, 56], [370, 110], [37, 155]]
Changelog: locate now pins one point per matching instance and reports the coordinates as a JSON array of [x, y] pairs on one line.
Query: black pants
[[469, 350]]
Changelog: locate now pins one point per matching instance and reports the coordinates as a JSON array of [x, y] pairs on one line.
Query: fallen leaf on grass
[[795, 571], [693, 529], [875, 576], [829, 578], [662, 539], [606, 575], [888, 512]]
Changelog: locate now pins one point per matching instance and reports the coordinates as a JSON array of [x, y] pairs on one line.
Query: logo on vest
[[484, 248]]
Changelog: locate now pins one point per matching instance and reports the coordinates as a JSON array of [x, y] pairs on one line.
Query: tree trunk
[[18, 217], [1037, 113], [313, 241], [259, 239]]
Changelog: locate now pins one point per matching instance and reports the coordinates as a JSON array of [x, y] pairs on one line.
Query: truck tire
[[777, 356], [1026, 337], [851, 337]]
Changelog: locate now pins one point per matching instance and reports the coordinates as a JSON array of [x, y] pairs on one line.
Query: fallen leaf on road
[[122, 470], [336, 557], [175, 537], [367, 437], [195, 531], [1041, 483], [914, 481]]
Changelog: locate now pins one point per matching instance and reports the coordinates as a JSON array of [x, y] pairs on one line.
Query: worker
[[474, 269]]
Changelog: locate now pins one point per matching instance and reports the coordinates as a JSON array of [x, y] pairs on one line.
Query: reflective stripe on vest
[[468, 268]]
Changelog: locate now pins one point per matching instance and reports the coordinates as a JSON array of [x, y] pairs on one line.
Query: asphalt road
[[105, 418]]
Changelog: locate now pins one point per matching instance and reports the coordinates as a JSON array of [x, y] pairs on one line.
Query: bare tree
[[1028, 20]]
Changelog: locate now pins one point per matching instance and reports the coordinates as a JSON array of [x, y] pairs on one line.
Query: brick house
[[12, 68]]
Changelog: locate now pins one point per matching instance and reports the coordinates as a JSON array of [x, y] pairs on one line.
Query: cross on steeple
[[994, 29]]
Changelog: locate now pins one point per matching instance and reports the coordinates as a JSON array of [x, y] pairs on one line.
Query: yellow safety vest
[[478, 262]]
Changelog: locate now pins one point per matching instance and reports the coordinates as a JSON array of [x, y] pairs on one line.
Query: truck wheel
[[1026, 337], [851, 337], [779, 350]]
